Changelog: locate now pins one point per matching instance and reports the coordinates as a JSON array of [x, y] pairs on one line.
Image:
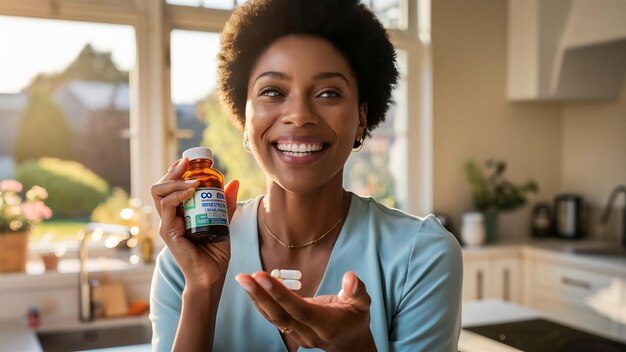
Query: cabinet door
[[476, 280], [577, 293], [506, 280]]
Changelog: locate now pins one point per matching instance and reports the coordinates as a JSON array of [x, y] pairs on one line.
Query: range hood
[[566, 49]]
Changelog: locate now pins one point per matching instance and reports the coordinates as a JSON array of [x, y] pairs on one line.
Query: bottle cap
[[198, 153]]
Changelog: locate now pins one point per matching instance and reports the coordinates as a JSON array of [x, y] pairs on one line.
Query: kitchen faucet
[[607, 211], [85, 304]]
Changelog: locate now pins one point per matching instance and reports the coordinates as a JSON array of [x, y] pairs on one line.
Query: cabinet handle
[[577, 283], [479, 281], [507, 283]]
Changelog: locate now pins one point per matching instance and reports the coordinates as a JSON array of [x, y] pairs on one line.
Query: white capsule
[[292, 284], [290, 274]]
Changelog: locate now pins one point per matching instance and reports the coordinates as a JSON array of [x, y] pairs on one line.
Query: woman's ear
[[362, 120]]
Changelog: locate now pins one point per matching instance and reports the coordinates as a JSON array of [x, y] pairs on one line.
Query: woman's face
[[303, 113]]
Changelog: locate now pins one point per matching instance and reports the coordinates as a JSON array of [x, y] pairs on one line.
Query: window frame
[[153, 133]]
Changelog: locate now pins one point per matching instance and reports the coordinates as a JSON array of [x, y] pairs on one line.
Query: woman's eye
[[329, 93], [270, 92]]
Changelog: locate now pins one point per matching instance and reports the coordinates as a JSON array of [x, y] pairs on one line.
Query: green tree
[[89, 65], [43, 130], [225, 140]]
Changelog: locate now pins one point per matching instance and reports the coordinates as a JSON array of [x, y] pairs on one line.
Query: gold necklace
[[291, 246]]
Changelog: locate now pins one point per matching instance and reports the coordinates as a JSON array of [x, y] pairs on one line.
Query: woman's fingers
[[168, 183], [176, 170], [162, 190], [315, 322], [231, 190], [295, 306], [262, 288], [170, 203]]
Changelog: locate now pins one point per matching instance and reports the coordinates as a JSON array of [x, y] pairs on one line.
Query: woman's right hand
[[204, 265]]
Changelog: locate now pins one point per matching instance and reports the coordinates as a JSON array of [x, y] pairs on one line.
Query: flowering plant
[[20, 215]]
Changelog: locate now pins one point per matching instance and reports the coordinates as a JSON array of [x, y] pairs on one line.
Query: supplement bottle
[[205, 213]]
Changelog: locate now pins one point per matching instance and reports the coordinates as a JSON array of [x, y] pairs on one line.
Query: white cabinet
[[562, 286], [492, 275], [565, 50], [570, 290]]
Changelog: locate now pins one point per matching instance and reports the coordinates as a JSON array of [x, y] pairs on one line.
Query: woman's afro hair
[[349, 25]]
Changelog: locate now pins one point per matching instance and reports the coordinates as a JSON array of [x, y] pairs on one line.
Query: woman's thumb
[[231, 190], [353, 290]]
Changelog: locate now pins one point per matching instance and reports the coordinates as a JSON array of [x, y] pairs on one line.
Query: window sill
[[36, 277]]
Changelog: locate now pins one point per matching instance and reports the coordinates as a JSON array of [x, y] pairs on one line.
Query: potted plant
[[493, 193], [17, 216]]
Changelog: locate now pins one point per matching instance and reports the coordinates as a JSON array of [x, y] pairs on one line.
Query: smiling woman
[[308, 82]]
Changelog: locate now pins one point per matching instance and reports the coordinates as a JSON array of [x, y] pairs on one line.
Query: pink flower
[[10, 186], [35, 212], [17, 214]]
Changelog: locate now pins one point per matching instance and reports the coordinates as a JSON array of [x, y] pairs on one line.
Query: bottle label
[[206, 207]]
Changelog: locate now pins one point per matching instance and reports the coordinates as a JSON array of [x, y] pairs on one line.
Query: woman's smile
[[296, 151]]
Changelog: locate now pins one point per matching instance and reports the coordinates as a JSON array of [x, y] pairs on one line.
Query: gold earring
[[246, 143], [358, 145]]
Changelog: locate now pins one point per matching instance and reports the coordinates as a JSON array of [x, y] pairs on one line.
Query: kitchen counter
[[496, 311], [14, 336], [560, 249], [489, 312]]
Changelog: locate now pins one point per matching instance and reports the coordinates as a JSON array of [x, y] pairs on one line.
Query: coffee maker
[[568, 216]]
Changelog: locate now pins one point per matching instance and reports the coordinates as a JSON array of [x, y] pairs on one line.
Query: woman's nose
[[299, 111]]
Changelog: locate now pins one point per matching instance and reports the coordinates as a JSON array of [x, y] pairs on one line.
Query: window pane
[[380, 168], [64, 111], [194, 95], [388, 11], [211, 4]]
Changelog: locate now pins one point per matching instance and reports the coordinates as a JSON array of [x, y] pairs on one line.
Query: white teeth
[[298, 148]]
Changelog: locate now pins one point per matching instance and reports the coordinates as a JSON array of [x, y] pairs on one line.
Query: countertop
[[14, 336], [489, 312], [19, 338], [496, 311], [561, 249]]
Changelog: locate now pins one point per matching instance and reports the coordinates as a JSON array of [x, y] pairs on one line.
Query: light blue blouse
[[412, 269]]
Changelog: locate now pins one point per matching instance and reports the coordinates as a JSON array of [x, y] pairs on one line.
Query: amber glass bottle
[[206, 215]]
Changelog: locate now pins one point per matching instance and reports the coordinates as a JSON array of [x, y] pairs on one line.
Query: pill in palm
[[292, 284], [286, 274]]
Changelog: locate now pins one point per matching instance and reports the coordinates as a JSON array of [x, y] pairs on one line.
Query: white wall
[[474, 120], [594, 155]]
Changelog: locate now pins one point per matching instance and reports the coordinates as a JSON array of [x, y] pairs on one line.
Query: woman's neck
[[297, 218]]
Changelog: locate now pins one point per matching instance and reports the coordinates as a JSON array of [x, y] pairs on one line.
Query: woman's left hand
[[331, 322]]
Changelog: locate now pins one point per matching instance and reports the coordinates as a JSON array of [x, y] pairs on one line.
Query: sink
[[90, 339]]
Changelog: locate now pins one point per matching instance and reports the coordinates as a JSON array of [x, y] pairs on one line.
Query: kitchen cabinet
[[577, 291], [565, 50], [492, 275], [548, 277]]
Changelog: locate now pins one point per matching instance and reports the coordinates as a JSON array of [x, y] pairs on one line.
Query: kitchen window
[[64, 107], [169, 44], [392, 13]]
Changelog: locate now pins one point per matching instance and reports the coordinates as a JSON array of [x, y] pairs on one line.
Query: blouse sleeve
[[428, 317], [165, 301]]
